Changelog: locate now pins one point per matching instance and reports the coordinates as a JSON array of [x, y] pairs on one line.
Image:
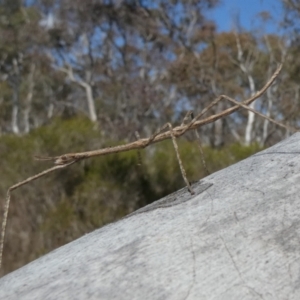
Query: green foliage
[[217, 159], [75, 134]]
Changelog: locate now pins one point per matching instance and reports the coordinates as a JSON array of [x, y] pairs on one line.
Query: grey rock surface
[[237, 238]]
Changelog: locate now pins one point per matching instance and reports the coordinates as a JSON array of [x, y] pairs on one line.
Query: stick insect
[[166, 132]]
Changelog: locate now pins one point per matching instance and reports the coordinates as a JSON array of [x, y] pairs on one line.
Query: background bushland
[[81, 75]]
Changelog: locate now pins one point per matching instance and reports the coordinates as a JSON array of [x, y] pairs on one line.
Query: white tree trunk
[[50, 110], [268, 114], [219, 128], [15, 83], [246, 70], [88, 90], [251, 115], [90, 101], [28, 100], [14, 119]]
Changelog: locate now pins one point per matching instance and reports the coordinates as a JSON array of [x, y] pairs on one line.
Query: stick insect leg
[[189, 125], [153, 136], [259, 114], [137, 135], [200, 148], [186, 118], [183, 173], [241, 104], [194, 119], [7, 200], [190, 115], [4, 222]]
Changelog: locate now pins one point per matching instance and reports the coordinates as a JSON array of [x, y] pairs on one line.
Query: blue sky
[[247, 11]]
